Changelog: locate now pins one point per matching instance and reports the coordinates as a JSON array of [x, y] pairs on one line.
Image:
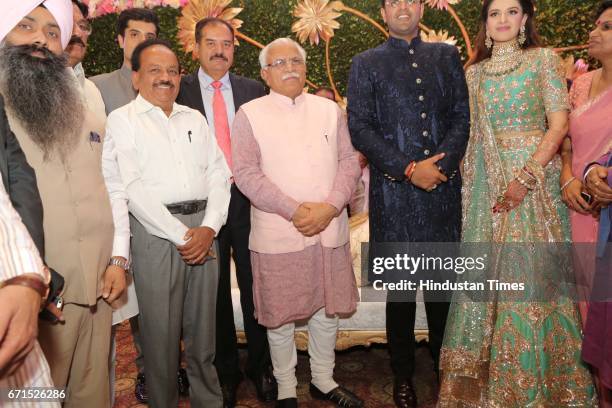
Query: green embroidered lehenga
[[506, 353]]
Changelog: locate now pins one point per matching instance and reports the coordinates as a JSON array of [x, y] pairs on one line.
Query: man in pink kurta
[[292, 157]]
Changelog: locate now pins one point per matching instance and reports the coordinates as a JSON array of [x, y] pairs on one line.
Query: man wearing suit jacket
[[134, 26], [20, 182], [218, 94], [408, 113]]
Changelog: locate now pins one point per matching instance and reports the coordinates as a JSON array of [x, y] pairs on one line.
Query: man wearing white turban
[[11, 12], [62, 140]]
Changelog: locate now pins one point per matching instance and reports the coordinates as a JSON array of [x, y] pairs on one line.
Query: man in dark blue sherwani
[[408, 114]]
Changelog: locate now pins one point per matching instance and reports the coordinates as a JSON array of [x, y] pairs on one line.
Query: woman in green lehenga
[[505, 353]]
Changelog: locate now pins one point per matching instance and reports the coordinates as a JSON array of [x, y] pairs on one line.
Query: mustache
[[27, 50], [164, 83], [75, 39], [223, 57], [290, 75]]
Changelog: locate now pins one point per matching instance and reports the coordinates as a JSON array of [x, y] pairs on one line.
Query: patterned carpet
[[365, 371]]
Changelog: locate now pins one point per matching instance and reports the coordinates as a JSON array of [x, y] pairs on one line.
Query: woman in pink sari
[[590, 131], [590, 127]]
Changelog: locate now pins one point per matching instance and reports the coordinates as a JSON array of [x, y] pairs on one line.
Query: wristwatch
[[120, 262]]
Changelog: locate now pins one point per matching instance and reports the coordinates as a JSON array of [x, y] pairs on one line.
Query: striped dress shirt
[[18, 255]]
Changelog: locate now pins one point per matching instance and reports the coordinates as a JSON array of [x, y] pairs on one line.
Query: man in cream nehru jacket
[[62, 140]]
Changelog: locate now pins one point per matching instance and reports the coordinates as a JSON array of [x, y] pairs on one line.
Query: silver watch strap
[[120, 263]]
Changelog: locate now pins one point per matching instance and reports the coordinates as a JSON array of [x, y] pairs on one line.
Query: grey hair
[[263, 55]]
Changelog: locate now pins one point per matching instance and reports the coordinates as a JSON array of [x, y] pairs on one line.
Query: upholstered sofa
[[367, 325]]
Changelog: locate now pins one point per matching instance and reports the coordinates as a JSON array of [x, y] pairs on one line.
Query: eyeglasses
[[395, 3], [604, 25], [282, 63], [84, 26]]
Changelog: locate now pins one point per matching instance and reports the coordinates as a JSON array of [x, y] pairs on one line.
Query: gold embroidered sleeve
[[552, 82]]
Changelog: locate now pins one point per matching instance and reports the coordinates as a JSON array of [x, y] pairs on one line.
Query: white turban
[[11, 13]]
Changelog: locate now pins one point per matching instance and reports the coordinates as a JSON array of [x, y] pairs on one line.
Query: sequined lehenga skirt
[[506, 353]]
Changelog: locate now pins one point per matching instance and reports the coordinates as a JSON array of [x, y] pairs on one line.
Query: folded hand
[[312, 218]]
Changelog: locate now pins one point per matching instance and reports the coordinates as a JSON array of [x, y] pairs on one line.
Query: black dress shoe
[[403, 393], [265, 385], [228, 389], [183, 382], [140, 389], [287, 403], [339, 395]]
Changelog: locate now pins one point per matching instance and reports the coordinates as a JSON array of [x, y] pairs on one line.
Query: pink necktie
[[222, 132]]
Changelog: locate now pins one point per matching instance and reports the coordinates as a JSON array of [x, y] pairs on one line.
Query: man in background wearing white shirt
[[177, 183]]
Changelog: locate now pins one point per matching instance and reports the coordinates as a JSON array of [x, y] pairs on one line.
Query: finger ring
[[434, 187]]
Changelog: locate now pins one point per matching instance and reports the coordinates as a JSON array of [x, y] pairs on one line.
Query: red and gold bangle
[[535, 170], [410, 170]]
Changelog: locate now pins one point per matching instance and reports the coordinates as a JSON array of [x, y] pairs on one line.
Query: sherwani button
[[415, 65], [426, 152], [418, 80], [421, 98]]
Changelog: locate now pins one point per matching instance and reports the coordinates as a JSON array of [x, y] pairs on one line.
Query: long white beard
[[44, 96]]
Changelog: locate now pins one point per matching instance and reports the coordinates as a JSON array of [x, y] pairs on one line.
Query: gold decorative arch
[[316, 20]]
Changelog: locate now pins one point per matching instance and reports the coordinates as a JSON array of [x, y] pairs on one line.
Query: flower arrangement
[[438, 36], [99, 8], [441, 4]]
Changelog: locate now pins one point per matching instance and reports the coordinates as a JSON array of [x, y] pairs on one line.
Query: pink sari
[[591, 134]]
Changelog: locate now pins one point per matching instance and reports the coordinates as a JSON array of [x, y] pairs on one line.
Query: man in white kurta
[[177, 183], [293, 159]]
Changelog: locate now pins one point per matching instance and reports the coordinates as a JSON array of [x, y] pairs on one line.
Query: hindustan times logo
[[411, 264]]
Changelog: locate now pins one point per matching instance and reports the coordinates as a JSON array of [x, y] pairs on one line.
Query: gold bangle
[[567, 183], [535, 169], [528, 184]]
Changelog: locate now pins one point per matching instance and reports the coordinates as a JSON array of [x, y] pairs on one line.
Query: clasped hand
[[312, 218], [571, 196], [199, 240], [427, 175], [597, 186]]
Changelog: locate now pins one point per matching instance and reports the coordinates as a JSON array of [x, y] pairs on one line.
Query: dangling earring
[[488, 41], [522, 38]]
